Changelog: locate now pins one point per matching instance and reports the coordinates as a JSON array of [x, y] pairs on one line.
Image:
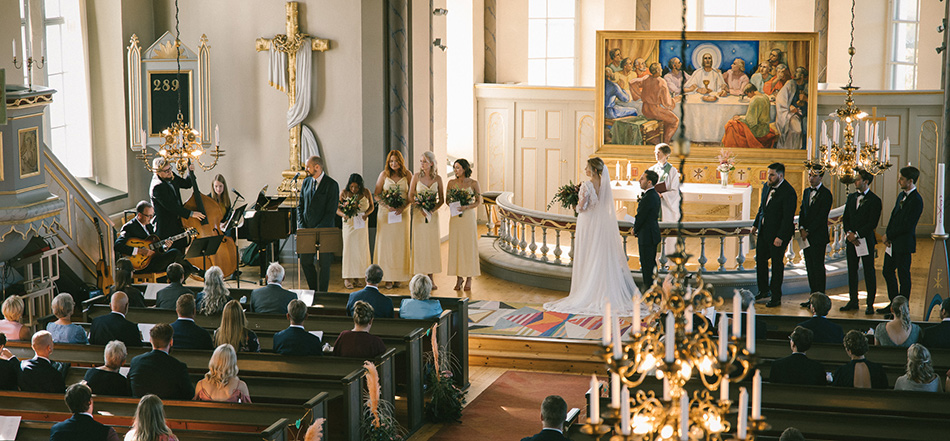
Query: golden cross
[[289, 43]]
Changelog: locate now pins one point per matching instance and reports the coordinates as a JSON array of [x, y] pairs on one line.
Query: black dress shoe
[[762, 295], [884, 310], [888, 316], [773, 303], [806, 304], [869, 311], [851, 306]]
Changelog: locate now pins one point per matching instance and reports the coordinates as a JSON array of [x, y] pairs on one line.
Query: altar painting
[[742, 90]]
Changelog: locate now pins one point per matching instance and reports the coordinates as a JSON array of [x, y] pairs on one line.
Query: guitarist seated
[[140, 228]]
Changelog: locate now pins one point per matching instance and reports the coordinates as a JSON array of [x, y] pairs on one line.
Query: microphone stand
[[293, 193], [237, 236]]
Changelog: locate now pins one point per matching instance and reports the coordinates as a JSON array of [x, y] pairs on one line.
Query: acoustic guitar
[[103, 274], [139, 259]]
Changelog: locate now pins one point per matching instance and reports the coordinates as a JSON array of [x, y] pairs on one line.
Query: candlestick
[[636, 312], [750, 329], [724, 389], [757, 395], [615, 333], [684, 417], [670, 334], [625, 411], [736, 308], [939, 230], [593, 409], [605, 326], [615, 390], [743, 413], [723, 331]]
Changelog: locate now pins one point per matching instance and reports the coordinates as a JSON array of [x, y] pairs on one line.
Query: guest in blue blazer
[[825, 331], [295, 340], [420, 306], [81, 426], [382, 305], [189, 335]]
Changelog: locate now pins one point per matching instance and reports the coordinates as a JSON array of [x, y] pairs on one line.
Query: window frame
[[575, 19], [701, 19], [890, 63]]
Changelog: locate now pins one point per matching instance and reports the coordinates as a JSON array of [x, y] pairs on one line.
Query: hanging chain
[[178, 59], [851, 47]]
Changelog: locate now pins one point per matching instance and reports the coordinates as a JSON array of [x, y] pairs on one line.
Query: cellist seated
[[148, 253]]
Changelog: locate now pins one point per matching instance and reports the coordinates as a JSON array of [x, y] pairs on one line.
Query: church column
[[399, 66], [373, 87], [643, 15], [490, 71], [821, 27]]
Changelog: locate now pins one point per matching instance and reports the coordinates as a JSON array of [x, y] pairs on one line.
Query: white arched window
[[737, 15], [552, 27], [904, 17]]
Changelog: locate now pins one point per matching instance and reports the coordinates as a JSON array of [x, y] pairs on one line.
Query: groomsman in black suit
[[862, 212], [319, 198], [900, 235], [813, 225], [166, 197], [140, 227], [774, 226], [39, 374], [646, 226]]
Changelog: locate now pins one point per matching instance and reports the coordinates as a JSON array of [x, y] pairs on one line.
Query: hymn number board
[[156, 85]]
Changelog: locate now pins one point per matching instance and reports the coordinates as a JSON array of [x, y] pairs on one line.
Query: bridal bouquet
[[566, 196], [426, 200], [392, 197], [462, 196], [350, 206], [727, 161]]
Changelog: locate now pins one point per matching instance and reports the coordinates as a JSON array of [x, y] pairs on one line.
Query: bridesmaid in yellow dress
[[356, 256], [426, 255], [463, 231], [392, 240]]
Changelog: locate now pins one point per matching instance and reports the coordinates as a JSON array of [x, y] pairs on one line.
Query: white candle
[[684, 417], [629, 171], [615, 333], [824, 133], [216, 136], [636, 312], [743, 412], [757, 395], [877, 126], [808, 153], [887, 149], [723, 331], [736, 308], [670, 336], [615, 390], [625, 411], [940, 231], [750, 329], [689, 318], [14, 47], [666, 389], [29, 30], [837, 131], [857, 133], [144, 139], [618, 170], [593, 409], [724, 389], [605, 326]]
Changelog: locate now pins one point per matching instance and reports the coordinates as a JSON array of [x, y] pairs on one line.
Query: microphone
[[238, 194], [296, 176]]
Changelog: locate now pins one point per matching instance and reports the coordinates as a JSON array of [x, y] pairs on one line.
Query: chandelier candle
[[605, 325], [615, 332], [750, 329], [625, 411], [684, 417], [743, 413], [757, 395], [670, 337], [615, 390], [636, 313], [724, 389], [689, 318], [736, 309], [723, 332], [666, 389], [594, 407]]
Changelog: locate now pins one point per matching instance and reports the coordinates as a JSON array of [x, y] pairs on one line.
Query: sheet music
[[455, 208], [888, 251], [151, 290], [395, 218], [861, 249], [304, 295], [359, 223], [124, 370], [9, 425], [144, 328], [318, 334]]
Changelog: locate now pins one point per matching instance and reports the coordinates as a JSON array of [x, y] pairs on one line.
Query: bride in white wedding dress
[[600, 273]]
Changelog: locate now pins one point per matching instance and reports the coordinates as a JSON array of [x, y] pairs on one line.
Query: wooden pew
[[39, 431]]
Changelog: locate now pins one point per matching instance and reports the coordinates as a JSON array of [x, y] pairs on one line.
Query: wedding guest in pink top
[[221, 383], [12, 313]]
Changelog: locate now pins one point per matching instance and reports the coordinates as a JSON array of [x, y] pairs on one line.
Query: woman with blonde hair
[[920, 374], [221, 383], [356, 256], [392, 239], [215, 295], [63, 329], [426, 237], [463, 229], [12, 313], [900, 331], [149, 424], [233, 329]]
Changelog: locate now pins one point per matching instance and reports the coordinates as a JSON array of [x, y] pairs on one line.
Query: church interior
[[220, 129]]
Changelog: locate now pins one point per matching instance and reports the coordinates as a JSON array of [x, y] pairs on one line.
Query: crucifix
[[289, 43]]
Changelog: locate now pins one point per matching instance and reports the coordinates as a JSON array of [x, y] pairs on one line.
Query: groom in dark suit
[[774, 227], [813, 225], [646, 226], [900, 234], [319, 198], [862, 212]]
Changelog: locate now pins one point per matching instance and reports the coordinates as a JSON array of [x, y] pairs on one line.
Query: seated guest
[[920, 374], [553, 416], [106, 379], [114, 326], [761, 328], [938, 336], [273, 298], [39, 374], [792, 434], [10, 325], [859, 372], [221, 383], [825, 331], [9, 366], [295, 340], [370, 294], [215, 295], [359, 343], [149, 423], [898, 331], [167, 296], [158, 373], [419, 306], [81, 426], [233, 329], [798, 368], [123, 282], [63, 330], [188, 335]]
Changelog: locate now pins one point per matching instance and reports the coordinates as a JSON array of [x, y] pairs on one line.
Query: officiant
[[668, 185], [319, 197]]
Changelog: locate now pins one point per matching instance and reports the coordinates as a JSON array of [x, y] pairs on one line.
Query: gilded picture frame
[[709, 109], [29, 152]]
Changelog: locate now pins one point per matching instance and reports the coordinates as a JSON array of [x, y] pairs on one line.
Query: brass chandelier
[[848, 151], [181, 143]]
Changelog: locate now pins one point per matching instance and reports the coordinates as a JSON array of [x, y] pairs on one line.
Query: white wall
[[9, 30], [511, 48]]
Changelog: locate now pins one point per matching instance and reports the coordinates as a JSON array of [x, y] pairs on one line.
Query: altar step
[[562, 355]]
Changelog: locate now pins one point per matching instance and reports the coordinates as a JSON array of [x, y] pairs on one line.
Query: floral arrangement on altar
[[462, 196], [567, 196], [392, 197], [378, 421], [727, 161], [447, 399], [426, 200], [350, 206]]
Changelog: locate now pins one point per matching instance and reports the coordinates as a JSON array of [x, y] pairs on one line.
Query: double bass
[[226, 257]]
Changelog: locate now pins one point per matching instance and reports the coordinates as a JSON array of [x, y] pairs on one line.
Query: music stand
[[204, 247], [318, 240], [236, 217]]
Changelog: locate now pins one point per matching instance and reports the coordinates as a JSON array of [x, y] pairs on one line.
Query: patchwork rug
[[531, 320]]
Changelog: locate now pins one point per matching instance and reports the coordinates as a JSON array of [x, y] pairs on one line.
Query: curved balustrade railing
[[549, 238]]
